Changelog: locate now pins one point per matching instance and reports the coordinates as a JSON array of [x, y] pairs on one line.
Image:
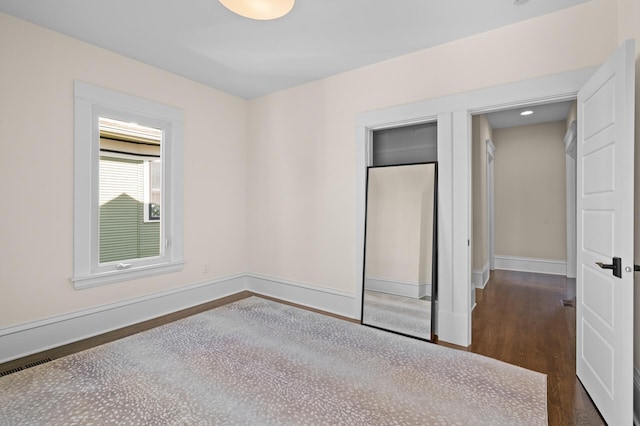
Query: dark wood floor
[[520, 318]]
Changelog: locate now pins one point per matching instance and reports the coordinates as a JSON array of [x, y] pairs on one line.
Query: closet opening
[[399, 291]]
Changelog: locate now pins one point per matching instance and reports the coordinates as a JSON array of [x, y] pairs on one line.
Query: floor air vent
[[24, 367]]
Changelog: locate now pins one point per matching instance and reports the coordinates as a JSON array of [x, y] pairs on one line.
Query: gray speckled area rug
[[397, 313], [257, 362]]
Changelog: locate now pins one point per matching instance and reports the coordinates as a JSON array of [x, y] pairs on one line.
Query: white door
[[604, 321]]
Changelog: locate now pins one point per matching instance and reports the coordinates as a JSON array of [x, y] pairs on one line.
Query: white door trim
[[570, 179], [491, 251], [454, 316]]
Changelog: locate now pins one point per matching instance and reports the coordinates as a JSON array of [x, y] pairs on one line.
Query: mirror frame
[[434, 255]]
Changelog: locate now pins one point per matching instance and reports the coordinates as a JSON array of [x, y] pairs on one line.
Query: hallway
[[520, 318]]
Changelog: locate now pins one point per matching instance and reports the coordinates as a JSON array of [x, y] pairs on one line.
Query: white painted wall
[[36, 172], [301, 142]]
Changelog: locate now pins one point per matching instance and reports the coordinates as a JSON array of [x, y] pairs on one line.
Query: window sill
[[95, 280]]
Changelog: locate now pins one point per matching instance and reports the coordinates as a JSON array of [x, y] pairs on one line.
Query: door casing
[[453, 114]]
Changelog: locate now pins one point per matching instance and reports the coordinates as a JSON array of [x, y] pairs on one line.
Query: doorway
[[453, 114], [596, 90], [529, 225]]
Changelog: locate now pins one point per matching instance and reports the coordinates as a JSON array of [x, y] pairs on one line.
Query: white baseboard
[[328, 300], [415, 290], [528, 264], [37, 336], [481, 276], [636, 396]]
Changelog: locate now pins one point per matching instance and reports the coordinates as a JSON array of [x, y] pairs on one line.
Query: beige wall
[[36, 171], [529, 182], [301, 144], [400, 223], [481, 132]]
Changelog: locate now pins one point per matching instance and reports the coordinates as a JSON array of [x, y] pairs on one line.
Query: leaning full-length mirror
[[400, 270]]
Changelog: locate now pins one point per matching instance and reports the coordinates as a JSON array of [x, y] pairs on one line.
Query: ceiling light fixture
[[527, 112], [261, 10]]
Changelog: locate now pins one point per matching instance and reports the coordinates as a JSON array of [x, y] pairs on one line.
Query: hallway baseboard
[[481, 276], [529, 264]]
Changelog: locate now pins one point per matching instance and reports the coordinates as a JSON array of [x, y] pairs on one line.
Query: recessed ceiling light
[[527, 112], [261, 10]]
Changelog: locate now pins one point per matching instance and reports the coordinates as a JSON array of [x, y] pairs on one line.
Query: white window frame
[[148, 190], [90, 103]]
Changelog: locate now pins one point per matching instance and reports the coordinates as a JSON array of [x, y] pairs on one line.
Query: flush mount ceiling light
[[262, 10], [527, 112]]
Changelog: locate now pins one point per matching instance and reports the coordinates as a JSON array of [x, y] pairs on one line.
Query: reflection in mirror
[[130, 191], [400, 270]]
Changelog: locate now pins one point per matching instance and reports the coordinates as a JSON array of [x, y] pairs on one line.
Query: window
[[126, 230], [127, 199]]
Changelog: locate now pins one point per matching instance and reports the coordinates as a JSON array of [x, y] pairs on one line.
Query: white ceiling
[[203, 41], [541, 114]]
